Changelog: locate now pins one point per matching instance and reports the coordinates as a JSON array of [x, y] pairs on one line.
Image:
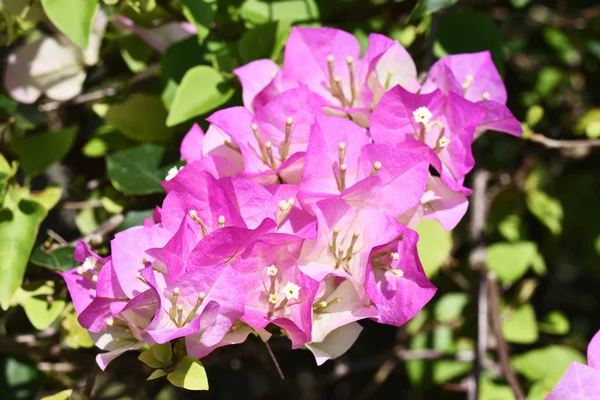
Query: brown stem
[[272, 355], [502, 347], [563, 144]]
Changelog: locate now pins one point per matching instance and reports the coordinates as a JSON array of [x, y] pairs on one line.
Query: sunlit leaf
[[520, 326], [201, 90], [189, 374], [73, 17], [548, 364], [434, 246]]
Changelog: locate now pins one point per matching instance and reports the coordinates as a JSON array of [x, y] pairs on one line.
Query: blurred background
[[75, 155]]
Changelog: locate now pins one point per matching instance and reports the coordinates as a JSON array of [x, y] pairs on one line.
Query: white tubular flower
[[273, 298], [272, 270], [422, 115], [291, 291]]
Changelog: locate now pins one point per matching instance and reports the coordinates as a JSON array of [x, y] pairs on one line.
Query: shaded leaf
[[38, 152], [159, 373], [264, 41], [75, 336], [141, 117], [163, 352], [148, 358], [426, 7], [200, 13], [60, 259], [136, 170], [483, 34]]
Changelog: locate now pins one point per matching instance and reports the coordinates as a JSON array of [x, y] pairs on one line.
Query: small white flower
[[291, 291], [89, 264], [273, 298], [423, 115], [271, 270], [444, 141], [172, 173]]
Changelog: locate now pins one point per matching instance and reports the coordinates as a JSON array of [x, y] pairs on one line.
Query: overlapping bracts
[[294, 214]]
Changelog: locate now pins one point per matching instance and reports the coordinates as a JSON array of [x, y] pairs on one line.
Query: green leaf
[[136, 170], [264, 41], [434, 246], [64, 395], [483, 34], [163, 352], [555, 323], [519, 3], [426, 7], [488, 390], [134, 218], [521, 326], [39, 305], [38, 152], [510, 261], [60, 259], [19, 224], [510, 227], [148, 358], [547, 209], [135, 52], [548, 364], [75, 335], [589, 124], [189, 374], [450, 306], [47, 198], [159, 373], [446, 370], [72, 17], [534, 115], [127, 118], [261, 11], [201, 90], [21, 378], [200, 13]]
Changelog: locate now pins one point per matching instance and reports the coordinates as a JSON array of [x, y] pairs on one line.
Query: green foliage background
[[75, 168]]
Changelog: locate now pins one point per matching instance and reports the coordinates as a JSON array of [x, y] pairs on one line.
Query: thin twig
[[477, 262], [272, 355], [98, 236], [90, 382], [78, 205], [56, 237], [563, 144], [8, 123], [82, 98], [502, 347], [431, 354]]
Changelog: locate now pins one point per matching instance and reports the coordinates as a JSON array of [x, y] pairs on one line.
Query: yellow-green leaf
[[148, 358], [189, 374], [163, 352], [73, 17], [159, 373], [434, 246], [64, 395]]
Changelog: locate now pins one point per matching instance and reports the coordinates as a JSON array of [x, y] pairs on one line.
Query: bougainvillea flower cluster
[[294, 214]]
